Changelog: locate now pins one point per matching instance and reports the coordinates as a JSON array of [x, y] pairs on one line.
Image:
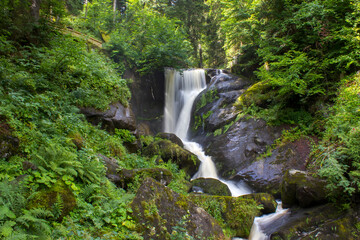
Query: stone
[[8, 143], [322, 222], [234, 213], [130, 176], [169, 151], [266, 200], [211, 186], [299, 188], [117, 116], [164, 214], [172, 137]]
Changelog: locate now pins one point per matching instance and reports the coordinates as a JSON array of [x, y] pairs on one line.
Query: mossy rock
[[58, 199], [164, 214], [8, 144], [260, 94], [169, 151], [136, 176], [266, 200], [235, 214], [211, 186], [323, 222], [299, 188], [172, 137]]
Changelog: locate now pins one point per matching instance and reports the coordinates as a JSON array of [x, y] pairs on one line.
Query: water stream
[[182, 88]]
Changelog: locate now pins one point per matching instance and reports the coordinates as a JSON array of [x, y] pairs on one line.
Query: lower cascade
[[182, 88]]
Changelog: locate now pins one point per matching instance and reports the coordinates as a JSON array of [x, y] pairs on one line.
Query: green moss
[[58, 199], [235, 215]]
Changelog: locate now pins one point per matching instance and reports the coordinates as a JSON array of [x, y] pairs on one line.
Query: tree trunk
[[86, 8], [35, 10], [114, 9]]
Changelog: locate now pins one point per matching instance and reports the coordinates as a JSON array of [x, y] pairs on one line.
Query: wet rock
[[143, 129], [299, 188], [234, 213], [211, 186], [322, 222], [117, 116], [266, 200], [169, 151], [162, 214], [172, 137], [266, 174], [236, 149], [213, 108]]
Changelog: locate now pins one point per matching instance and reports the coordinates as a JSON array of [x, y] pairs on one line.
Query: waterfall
[[181, 90]]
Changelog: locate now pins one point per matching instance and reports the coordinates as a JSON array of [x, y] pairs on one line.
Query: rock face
[[163, 214], [147, 98], [171, 151], [213, 108], [210, 186], [266, 174], [265, 199], [117, 116], [299, 188], [236, 214]]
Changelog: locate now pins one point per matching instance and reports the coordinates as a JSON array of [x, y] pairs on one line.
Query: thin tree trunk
[[35, 10], [86, 8], [114, 9]]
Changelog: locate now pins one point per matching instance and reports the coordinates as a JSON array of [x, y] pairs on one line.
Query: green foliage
[[148, 41], [338, 155]]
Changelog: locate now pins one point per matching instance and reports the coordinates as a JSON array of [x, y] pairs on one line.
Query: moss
[[236, 215], [206, 98], [259, 94], [58, 199], [212, 186]]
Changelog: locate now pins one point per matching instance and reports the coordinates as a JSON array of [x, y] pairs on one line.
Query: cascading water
[[181, 91]]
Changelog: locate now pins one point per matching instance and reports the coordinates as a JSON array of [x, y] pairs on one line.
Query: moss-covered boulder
[[172, 137], [323, 222], [299, 188], [266, 200], [134, 177], [169, 151], [58, 199], [235, 214], [164, 214], [8, 143], [210, 186]]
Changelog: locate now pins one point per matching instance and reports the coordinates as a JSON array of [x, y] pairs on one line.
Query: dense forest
[[302, 58]]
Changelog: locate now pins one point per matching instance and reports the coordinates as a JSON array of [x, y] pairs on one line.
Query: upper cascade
[[181, 89]]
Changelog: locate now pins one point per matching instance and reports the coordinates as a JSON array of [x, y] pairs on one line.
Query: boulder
[[58, 199], [234, 213], [299, 188], [172, 137], [164, 214], [266, 200], [169, 151], [213, 108], [136, 176], [117, 116], [8, 143], [238, 147], [322, 222], [210, 186]]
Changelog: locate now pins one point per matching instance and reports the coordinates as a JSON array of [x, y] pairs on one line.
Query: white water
[[181, 91], [260, 223]]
